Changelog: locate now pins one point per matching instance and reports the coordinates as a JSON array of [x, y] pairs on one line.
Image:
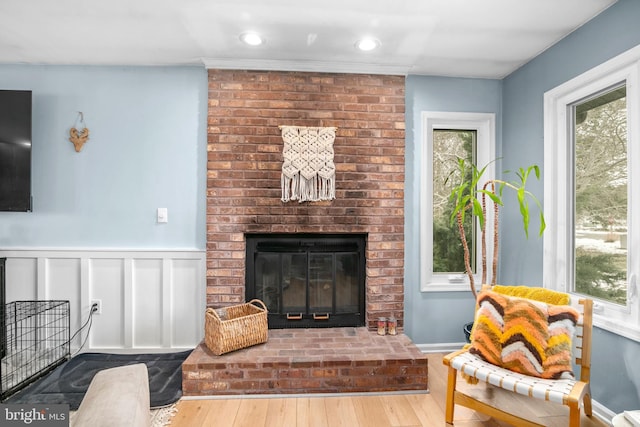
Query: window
[[591, 178], [447, 137], [449, 145], [600, 193]]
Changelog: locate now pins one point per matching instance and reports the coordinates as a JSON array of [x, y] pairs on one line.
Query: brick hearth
[[309, 361]]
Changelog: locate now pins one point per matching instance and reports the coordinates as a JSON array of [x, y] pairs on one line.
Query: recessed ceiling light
[[252, 39], [367, 44]]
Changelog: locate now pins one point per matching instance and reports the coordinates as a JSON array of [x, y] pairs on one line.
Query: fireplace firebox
[[308, 280]]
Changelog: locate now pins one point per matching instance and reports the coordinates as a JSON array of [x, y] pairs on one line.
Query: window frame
[[484, 124], [558, 239]]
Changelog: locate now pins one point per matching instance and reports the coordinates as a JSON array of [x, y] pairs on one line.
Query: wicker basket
[[231, 328]]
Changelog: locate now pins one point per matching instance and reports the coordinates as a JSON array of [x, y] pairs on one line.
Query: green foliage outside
[[447, 248], [601, 205], [601, 275], [449, 146]]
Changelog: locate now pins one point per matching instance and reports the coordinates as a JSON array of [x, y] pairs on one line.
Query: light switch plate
[[163, 215]]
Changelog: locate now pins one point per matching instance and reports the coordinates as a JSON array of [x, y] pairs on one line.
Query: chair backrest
[[582, 341]]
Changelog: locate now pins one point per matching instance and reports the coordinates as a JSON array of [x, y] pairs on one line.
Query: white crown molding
[[303, 65]]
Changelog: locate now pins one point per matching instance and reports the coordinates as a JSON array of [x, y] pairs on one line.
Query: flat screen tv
[[15, 150]]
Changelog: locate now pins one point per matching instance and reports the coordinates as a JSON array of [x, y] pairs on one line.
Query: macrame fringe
[[307, 190]]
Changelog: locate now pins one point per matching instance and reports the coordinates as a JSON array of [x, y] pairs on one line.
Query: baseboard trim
[[300, 395], [134, 350], [441, 347], [603, 413]]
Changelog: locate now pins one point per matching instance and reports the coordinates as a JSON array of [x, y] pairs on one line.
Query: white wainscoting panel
[[150, 300], [22, 274], [184, 293], [59, 279], [106, 284], [147, 295]]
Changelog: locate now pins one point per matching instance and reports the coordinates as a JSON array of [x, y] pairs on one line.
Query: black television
[[15, 150]]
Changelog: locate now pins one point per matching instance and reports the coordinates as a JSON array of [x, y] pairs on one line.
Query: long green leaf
[[524, 210], [493, 196], [477, 211]]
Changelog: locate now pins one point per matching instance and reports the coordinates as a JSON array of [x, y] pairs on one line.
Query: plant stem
[[465, 249]]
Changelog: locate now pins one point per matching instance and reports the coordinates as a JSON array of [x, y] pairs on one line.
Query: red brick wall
[[245, 161]]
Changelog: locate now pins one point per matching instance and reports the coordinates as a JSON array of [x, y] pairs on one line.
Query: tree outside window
[[600, 234], [448, 147]]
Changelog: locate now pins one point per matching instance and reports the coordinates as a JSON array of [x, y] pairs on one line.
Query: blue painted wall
[[616, 372], [147, 149], [433, 318], [437, 317]]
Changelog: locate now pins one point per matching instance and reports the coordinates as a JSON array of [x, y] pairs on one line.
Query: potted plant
[[470, 198], [468, 195]]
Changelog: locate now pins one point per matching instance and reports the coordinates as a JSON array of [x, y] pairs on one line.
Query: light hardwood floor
[[375, 410]]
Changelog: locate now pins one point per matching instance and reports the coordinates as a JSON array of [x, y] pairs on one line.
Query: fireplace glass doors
[[307, 280]]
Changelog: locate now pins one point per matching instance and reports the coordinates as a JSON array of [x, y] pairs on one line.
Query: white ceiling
[[465, 38]]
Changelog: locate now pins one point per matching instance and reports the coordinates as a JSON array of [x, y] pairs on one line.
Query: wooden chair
[[574, 393]]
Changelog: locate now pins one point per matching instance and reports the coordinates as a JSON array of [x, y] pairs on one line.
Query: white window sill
[[454, 284], [623, 329]]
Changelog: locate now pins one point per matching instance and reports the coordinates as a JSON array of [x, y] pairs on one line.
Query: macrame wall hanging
[[308, 171]]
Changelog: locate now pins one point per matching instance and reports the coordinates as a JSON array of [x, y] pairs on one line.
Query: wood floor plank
[[191, 411], [341, 412], [311, 412], [281, 412], [399, 411], [222, 413], [426, 409], [370, 411], [252, 412]]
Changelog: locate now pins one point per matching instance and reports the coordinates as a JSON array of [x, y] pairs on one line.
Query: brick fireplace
[[244, 165], [245, 162]]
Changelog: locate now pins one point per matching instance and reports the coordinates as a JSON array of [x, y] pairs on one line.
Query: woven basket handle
[[213, 312], [260, 302]]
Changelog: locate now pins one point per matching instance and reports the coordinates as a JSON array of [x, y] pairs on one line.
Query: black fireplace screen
[[308, 280]]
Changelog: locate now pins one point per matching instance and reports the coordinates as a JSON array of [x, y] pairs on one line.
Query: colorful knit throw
[[308, 171]]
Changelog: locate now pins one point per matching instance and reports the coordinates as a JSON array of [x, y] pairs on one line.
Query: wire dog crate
[[34, 339]]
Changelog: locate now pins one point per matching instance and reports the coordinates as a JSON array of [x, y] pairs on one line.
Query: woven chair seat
[[552, 390]]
